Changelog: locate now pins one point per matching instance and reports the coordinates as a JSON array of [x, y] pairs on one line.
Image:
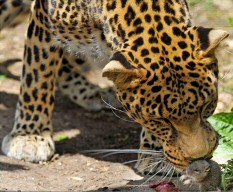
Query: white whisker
[[110, 106], [164, 172], [173, 170], [126, 151], [132, 161], [170, 167], [155, 165], [191, 185], [121, 117], [113, 108], [152, 176], [152, 164]]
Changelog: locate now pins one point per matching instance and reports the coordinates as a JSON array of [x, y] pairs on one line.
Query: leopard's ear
[[122, 73], [210, 39]]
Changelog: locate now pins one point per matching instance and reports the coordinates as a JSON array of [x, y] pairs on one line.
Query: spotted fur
[[163, 68]]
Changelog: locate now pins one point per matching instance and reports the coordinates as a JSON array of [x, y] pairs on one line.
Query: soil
[[77, 130]]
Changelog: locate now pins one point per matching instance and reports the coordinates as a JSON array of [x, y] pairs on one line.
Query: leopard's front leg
[[31, 136]]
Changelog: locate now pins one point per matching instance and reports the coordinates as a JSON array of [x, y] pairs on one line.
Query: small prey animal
[[206, 173]]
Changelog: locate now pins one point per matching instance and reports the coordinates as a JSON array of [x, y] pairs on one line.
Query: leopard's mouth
[[185, 148], [179, 163]]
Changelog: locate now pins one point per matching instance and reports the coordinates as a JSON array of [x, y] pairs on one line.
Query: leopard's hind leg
[[74, 84]]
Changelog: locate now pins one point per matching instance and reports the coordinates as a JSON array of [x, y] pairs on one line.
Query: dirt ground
[[74, 169]]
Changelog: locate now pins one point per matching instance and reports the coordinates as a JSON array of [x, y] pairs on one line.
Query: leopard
[[13, 12], [163, 69]]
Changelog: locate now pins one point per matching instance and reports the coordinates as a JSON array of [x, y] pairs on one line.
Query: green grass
[[227, 176], [207, 3], [230, 20], [2, 76], [223, 124], [62, 137]]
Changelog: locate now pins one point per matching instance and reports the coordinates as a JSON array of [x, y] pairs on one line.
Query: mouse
[[206, 173]]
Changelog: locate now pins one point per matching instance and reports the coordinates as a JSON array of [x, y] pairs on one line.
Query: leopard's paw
[[31, 148]]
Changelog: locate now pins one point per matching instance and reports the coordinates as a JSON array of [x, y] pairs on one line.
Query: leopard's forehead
[[137, 24], [155, 35]]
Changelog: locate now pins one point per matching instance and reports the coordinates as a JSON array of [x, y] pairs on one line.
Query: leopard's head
[[171, 88]]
